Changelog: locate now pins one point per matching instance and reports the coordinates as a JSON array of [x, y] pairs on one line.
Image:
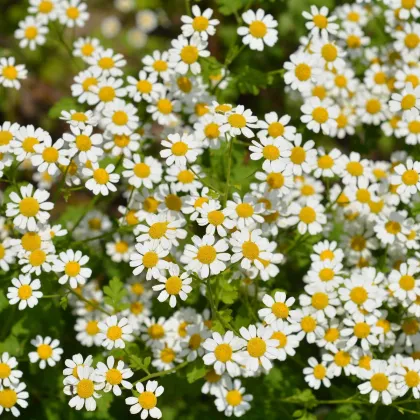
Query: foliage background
[[280, 394]]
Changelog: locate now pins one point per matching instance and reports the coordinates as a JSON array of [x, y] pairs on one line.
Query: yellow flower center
[[326, 274], [92, 327], [24, 292], [45, 6], [184, 83], [106, 93], [10, 72], [173, 285], [158, 230], [164, 106], [358, 295], [5, 137], [186, 176], [358, 243], [379, 382], [121, 140], [223, 352], [281, 338], [393, 227], [244, 210], [44, 351], [320, 21], [29, 207], [412, 378], [147, 400], [121, 247], [5, 371], [303, 72], [101, 176], [308, 324], [114, 377], [150, 259], [298, 155], [179, 148], [326, 255], [233, 397], [342, 358], [373, 106], [83, 142], [156, 331], [355, 168], [361, 330], [237, 120], [141, 170], [173, 202], [319, 372], [88, 82], [320, 115], [8, 398], [50, 155], [384, 324], [410, 326], [189, 54], [85, 388], [307, 215], [206, 254], [72, 13], [320, 300], [160, 66], [31, 32], [408, 101], [212, 131], [325, 162], [410, 177], [120, 118], [332, 334], [200, 23], [29, 143], [411, 41], [212, 377], [258, 29], [106, 63], [329, 52], [340, 81], [87, 50], [380, 78], [144, 86], [37, 258], [72, 268], [195, 341], [280, 310], [363, 195], [216, 217], [407, 282], [270, 152], [256, 347], [31, 241], [136, 308], [114, 333], [250, 250]]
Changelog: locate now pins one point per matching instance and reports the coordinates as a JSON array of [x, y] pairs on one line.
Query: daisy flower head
[[119, 249], [407, 177], [11, 73], [83, 389], [206, 256], [101, 180], [361, 329], [47, 156], [158, 63], [79, 119], [106, 91], [246, 211], [287, 342], [317, 374], [240, 121], [407, 41], [321, 299], [10, 376], [301, 157], [120, 118], [319, 23], [149, 256], [276, 308], [164, 109], [215, 218], [88, 331], [406, 101], [25, 291], [144, 87], [72, 264], [319, 115], [174, 285], [162, 229], [47, 351], [72, 364], [185, 53], [114, 332], [301, 71], [222, 353], [146, 402], [25, 138], [12, 397], [306, 324], [45, 10], [392, 227], [113, 375], [144, 173], [272, 150], [403, 282], [328, 54], [8, 131], [309, 217], [83, 84], [275, 127], [260, 29], [84, 144], [232, 398], [199, 23], [31, 33], [328, 164], [260, 347], [379, 383], [107, 63], [30, 208], [86, 47], [7, 254], [180, 149], [73, 13], [210, 130], [192, 347], [407, 377]]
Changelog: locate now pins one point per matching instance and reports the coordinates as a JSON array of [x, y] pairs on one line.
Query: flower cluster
[[194, 236]]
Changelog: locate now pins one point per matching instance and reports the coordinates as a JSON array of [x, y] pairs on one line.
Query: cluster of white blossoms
[[145, 138]]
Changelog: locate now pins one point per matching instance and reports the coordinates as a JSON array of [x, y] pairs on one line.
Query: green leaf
[[64, 302], [115, 293], [227, 292], [229, 7], [4, 303], [196, 371], [304, 415], [252, 81], [137, 363]]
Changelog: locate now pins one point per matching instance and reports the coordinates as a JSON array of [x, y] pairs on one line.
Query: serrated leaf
[[196, 371], [64, 302], [252, 81], [229, 7], [115, 293]]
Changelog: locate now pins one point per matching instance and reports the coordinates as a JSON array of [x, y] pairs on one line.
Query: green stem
[[89, 302], [162, 373], [88, 208]]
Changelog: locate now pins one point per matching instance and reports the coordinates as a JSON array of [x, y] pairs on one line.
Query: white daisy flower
[[276, 308], [319, 115], [13, 396], [48, 156], [211, 215], [71, 367], [101, 180], [47, 351], [402, 282], [9, 376], [113, 377], [25, 138], [199, 23], [73, 13], [317, 374], [107, 63], [287, 342], [261, 29], [144, 87], [239, 121], [120, 117], [309, 217], [149, 257], [79, 119], [245, 212], [31, 33], [407, 177], [25, 291], [115, 333], [86, 47], [30, 208], [72, 262], [179, 149], [232, 398], [11, 73], [319, 24], [158, 63], [140, 173], [146, 402]]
